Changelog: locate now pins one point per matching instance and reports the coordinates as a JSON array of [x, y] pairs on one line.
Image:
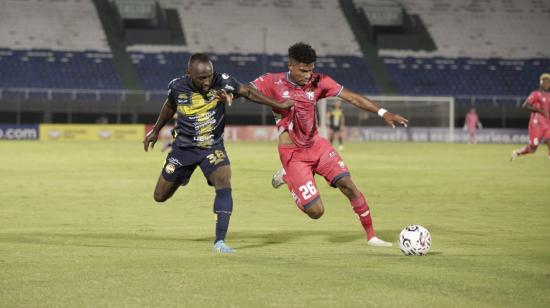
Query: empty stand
[[466, 76], [157, 69], [509, 29], [51, 24], [263, 26], [57, 69]]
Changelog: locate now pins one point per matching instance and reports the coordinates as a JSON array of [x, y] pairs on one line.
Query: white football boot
[[514, 155], [277, 179], [376, 242]]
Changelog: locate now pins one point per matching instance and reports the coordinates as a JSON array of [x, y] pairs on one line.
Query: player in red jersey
[[302, 151], [538, 103], [471, 124]]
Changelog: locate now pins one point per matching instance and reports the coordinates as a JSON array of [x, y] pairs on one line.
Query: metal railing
[[129, 106]]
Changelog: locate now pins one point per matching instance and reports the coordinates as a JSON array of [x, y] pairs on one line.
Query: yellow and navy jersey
[[201, 117], [336, 116]]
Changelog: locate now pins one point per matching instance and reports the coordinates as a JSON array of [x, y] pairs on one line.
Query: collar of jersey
[[293, 83]]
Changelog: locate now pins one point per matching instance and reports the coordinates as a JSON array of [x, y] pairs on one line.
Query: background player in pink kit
[[472, 123], [302, 151], [538, 103]]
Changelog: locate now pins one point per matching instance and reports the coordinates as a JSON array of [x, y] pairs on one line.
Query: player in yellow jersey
[[336, 122]]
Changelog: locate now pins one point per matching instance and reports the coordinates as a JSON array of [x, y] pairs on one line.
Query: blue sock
[[223, 206]]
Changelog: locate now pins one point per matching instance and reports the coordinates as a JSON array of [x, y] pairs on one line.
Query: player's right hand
[[150, 139], [286, 104], [392, 119]]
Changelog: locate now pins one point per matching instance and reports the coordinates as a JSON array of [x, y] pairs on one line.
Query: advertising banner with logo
[[435, 134], [421, 134], [19, 132], [91, 132]]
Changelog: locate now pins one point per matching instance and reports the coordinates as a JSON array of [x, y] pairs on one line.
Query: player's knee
[[315, 210], [222, 182], [160, 197], [315, 214]]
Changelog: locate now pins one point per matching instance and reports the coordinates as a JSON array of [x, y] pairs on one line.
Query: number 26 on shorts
[[308, 190]]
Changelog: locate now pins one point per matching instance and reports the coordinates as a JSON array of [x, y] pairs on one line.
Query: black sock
[[223, 206]]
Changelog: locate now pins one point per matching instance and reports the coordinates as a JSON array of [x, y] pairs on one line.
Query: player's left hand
[[393, 119], [224, 96]]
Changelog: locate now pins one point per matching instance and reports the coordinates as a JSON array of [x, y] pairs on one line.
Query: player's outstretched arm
[[256, 96], [166, 113], [364, 103]]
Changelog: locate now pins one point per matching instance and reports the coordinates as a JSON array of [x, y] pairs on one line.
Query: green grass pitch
[[79, 228]]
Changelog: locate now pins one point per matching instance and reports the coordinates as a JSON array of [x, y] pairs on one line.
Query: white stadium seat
[[51, 24]]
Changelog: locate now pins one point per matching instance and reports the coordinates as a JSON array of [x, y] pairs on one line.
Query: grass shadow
[[252, 239]]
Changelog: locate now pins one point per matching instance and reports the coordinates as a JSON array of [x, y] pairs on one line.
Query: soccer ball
[[415, 240]]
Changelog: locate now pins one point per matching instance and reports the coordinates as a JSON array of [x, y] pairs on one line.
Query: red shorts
[[537, 134], [301, 164]]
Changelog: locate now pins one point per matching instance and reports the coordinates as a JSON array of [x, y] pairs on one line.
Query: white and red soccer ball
[[415, 240]]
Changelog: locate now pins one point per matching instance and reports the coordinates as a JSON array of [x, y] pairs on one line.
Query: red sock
[[361, 208]]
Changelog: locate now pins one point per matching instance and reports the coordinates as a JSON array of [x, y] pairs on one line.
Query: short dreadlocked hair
[[302, 53]]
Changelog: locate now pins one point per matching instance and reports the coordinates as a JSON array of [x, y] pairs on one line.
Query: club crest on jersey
[[225, 76], [341, 164], [310, 95], [286, 94]]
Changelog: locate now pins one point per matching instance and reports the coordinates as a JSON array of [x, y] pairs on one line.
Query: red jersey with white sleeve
[[299, 120], [539, 99]]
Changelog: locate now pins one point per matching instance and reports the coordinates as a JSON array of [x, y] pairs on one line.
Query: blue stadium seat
[[157, 69], [465, 76], [57, 69]]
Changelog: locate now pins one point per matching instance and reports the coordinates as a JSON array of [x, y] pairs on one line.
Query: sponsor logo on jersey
[[203, 138], [228, 87]]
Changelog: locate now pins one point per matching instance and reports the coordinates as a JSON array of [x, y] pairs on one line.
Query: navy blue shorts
[[181, 162]]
